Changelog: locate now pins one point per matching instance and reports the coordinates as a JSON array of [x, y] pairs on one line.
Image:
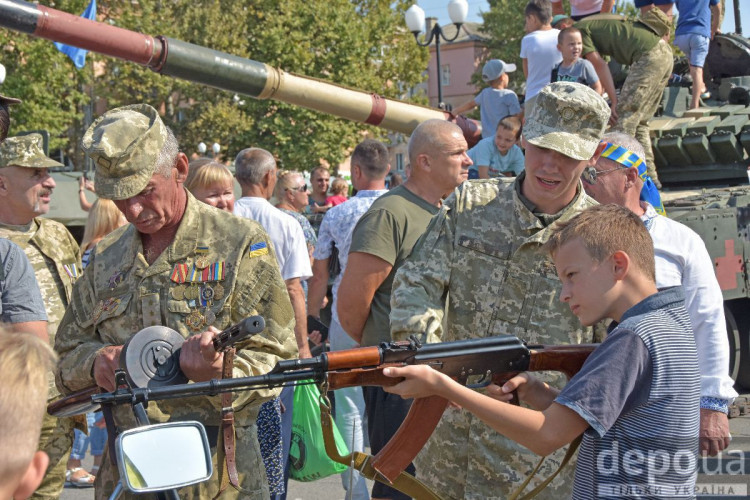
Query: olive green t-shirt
[[389, 230], [616, 36]]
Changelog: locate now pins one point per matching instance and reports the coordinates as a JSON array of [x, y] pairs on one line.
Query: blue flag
[[78, 56]]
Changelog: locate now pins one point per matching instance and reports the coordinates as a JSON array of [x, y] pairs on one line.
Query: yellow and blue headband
[[627, 158]]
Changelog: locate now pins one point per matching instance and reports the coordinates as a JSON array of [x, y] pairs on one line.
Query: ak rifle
[[475, 363]]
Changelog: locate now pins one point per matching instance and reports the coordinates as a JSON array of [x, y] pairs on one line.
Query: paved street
[[725, 477]]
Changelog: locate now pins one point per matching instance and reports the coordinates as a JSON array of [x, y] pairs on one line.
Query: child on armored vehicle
[[635, 400]]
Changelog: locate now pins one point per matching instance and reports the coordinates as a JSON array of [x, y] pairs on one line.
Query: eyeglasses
[[301, 189], [590, 174]]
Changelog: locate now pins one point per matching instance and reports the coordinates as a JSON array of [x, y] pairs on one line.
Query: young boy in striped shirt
[[635, 400]]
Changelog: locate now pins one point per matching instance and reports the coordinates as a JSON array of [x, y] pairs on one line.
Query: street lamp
[[415, 21], [216, 148]]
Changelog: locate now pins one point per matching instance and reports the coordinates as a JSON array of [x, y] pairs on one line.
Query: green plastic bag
[[307, 453]]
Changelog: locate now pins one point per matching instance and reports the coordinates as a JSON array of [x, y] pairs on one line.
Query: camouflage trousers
[[250, 468], [466, 460], [641, 94], [57, 441]]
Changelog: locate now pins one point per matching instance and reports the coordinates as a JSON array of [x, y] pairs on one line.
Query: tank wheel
[[739, 326], [733, 334]]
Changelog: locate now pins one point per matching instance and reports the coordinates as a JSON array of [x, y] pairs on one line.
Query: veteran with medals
[[181, 264]]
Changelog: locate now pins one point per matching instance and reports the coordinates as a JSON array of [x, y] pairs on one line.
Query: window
[[399, 162], [445, 74]]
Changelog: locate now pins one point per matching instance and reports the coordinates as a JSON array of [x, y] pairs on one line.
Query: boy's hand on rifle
[[199, 360], [106, 362], [420, 381], [529, 389]]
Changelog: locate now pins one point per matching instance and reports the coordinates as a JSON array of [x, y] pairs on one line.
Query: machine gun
[[475, 363]]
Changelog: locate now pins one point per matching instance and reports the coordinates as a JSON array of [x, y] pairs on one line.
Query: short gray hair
[[167, 155], [252, 164]]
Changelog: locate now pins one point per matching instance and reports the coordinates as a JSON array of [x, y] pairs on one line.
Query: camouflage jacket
[[482, 252], [54, 255], [120, 294]]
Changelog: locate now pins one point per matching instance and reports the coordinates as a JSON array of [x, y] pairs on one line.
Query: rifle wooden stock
[[77, 403]]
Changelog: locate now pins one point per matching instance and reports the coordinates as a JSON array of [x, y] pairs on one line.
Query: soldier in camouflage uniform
[[482, 250], [640, 45], [181, 264], [25, 189]]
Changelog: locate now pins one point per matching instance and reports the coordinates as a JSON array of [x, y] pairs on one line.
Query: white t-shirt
[[285, 233], [539, 48], [583, 7]]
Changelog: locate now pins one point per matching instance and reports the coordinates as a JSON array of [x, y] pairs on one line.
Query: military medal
[[116, 279], [191, 293], [218, 291], [179, 273], [178, 292], [207, 293], [202, 262], [210, 316], [195, 321]]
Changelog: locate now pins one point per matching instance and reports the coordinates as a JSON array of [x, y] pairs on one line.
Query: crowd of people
[[575, 49], [572, 239]]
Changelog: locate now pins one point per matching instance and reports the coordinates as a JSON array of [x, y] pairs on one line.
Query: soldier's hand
[[199, 360], [106, 362]]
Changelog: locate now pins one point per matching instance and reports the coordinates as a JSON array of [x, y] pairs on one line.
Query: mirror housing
[[163, 456]]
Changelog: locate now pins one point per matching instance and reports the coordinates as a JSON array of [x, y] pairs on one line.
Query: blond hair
[[25, 361], [284, 181], [203, 174], [340, 186], [104, 217], [604, 230]]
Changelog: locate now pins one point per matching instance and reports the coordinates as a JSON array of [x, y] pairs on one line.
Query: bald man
[[382, 239]]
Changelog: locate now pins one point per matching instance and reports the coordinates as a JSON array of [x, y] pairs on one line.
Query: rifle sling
[[404, 483], [568, 455], [228, 465]]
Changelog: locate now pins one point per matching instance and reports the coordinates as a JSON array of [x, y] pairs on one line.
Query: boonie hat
[[494, 68], [569, 118], [125, 144], [25, 151]]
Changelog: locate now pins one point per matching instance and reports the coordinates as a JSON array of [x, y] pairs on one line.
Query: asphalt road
[[724, 477]]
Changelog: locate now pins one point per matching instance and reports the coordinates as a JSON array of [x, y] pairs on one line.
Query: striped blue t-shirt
[[640, 393]]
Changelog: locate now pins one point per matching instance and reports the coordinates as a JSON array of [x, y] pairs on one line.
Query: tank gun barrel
[[221, 70]]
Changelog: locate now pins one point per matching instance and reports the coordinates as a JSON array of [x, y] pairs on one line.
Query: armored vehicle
[[701, 155]]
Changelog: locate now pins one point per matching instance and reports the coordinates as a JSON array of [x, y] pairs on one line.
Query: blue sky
[[439, 9]]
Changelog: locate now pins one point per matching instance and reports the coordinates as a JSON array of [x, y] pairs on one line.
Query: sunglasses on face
[[590, 174], [301, 189]]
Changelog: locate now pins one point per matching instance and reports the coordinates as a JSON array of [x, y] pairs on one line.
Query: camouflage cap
[[125, 144], [656, 20], [569, 118], [25, 151]]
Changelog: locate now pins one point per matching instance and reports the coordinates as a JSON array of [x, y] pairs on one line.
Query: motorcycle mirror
[[163, 456]]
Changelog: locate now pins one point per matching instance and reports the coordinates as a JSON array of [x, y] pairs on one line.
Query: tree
[[356, 43], [51, 88]]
